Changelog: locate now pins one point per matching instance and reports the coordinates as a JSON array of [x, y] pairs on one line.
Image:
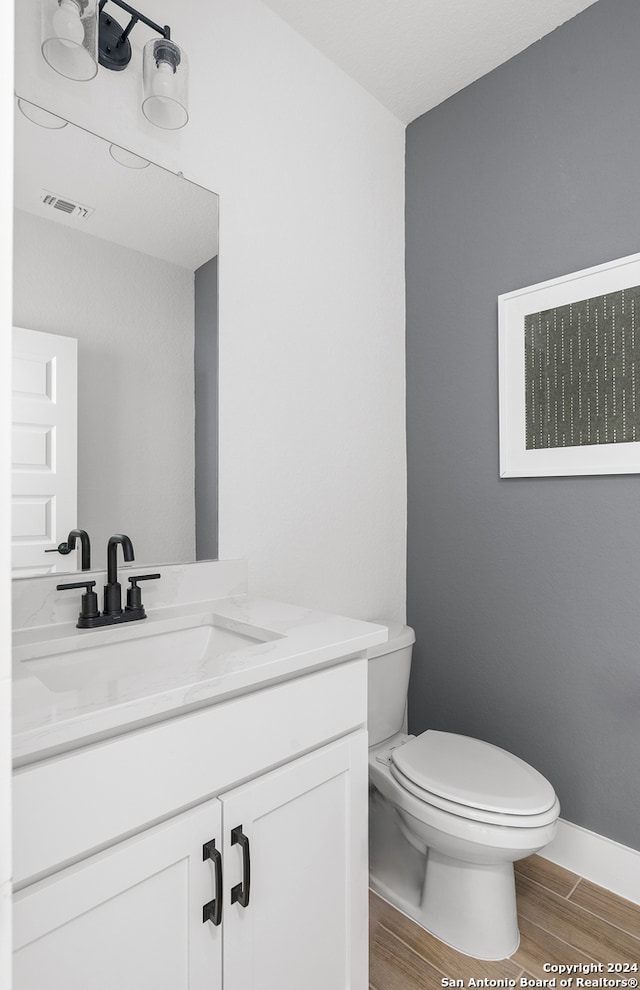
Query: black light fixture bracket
[[114, 47]]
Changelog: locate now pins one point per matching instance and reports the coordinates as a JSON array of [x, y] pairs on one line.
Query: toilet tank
[[389, 667]]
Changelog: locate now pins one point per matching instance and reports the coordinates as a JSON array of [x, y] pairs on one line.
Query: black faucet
[[70, 544], [112, 591], [90, 617]]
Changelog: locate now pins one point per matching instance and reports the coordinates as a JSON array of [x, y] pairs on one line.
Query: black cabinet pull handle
[[240, 892], [212, 911]]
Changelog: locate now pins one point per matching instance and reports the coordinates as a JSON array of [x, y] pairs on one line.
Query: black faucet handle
[[89, 601], [134, 593], [143, 577], [75, 584]]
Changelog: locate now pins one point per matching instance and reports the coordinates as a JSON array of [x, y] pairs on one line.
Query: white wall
[[6, 224], [133, 317], [310, 173]]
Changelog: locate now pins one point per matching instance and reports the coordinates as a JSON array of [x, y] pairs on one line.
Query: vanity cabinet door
[[130, 917], [303, 920]]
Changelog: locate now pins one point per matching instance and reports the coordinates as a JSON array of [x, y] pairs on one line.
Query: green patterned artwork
[[582, 372]]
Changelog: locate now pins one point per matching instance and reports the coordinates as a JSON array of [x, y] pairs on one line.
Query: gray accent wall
[[524, 593], [206, 403]]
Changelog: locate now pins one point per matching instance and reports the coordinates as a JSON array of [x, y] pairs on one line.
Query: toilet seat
[[474, 780], [475, 814]]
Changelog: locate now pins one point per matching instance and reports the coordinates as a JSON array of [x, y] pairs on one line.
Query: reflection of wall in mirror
[[133, 316], [206, 391]]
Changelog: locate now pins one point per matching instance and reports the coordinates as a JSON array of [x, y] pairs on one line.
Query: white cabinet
[[305, 831], [291, 843], [130, 917]]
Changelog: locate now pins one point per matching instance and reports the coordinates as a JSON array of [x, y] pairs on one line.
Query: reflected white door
[[44, 449]]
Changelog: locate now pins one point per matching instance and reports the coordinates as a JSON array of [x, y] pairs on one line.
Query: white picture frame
[[516, 459]]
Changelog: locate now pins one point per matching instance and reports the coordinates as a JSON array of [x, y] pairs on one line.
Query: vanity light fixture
[[79, 34]]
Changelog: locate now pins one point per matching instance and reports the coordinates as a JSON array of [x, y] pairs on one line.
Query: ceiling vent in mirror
[[64, 205]]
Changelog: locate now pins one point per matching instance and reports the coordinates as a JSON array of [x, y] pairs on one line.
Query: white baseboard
[[601, 860]]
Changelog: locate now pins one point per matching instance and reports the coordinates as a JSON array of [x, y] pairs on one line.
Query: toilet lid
[[473, 774]]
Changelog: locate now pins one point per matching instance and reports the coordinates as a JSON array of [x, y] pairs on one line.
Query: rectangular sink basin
[[172, 650]]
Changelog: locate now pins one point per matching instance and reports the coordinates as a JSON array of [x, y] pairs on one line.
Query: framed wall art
[[569, 366]]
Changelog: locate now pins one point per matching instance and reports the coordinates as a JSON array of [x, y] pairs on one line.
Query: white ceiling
[[413, 54]]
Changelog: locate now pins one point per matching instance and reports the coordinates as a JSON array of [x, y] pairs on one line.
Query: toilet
[[449, 816]]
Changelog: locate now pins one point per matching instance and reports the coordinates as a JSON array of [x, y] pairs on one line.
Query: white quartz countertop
[[69, 691]]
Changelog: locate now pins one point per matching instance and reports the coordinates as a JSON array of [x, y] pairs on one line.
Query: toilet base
[[469, 906]]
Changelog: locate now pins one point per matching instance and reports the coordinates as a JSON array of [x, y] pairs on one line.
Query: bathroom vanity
[[190, 811]]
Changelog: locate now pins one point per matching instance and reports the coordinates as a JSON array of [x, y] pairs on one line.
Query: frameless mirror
[[120, 256]]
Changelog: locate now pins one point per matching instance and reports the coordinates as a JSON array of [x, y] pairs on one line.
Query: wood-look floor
[[563, 918]]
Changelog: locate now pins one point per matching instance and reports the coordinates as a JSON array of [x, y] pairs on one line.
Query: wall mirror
[[119, 255]]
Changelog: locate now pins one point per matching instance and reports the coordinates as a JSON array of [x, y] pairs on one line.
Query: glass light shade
[[41, 117], [70, 37], [165, 74], [127, 158]]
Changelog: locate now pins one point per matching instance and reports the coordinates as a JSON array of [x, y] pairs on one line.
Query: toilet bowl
[[449, 817]]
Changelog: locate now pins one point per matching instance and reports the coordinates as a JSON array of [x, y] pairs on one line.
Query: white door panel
[[44, 449]]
